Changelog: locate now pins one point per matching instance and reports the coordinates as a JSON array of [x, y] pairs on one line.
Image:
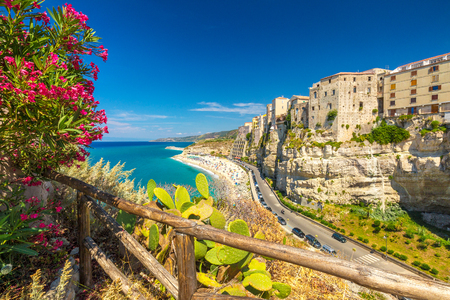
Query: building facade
[[268, 123], [421, 87], [299, 110], [279, 107]]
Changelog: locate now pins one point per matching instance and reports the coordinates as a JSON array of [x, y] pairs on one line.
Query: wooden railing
[[186, 286]]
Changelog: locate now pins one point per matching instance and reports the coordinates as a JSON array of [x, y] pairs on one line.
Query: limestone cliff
[[210, 147], [415, 172]]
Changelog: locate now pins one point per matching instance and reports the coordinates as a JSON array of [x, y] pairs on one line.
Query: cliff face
[[414, 173], [210, 147]]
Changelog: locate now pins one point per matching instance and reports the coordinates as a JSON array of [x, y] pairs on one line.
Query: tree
[[48, 115], [332, 114]]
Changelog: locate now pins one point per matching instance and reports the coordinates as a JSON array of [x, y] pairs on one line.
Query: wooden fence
[[185, 288]]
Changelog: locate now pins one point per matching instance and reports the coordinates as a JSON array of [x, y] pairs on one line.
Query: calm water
[[150, 161]]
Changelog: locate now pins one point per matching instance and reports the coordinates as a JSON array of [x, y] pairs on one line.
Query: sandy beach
[[226, 170]]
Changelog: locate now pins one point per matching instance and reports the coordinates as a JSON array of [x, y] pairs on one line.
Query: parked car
[[275, 214], [263, 203], [256, 184], [281, 220], [339, 237], [329, 250], [298, 232], [268, 208], [313, 241]]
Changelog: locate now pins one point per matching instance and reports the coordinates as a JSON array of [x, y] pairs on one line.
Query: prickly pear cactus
[[153, 237], [185, 206], [200, 212], [258, 281], [281, 290], [200, 249], [240, 227], [202, 185], [181, 196], [207, 280], [211, 256], [229, 255], [234, 290], [217, 219], [151, 185], [164, 197], [128, 221]]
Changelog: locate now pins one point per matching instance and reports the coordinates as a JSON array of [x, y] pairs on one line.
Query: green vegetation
[[435, 127], [405, 117], [347, 126], [332, 114], [383, 135], [318, 124], [374, 111], [248, 136]]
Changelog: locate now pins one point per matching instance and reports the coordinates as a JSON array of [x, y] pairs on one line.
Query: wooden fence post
[[187, 273], [84, 230]]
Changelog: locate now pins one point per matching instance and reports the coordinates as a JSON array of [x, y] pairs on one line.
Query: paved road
[[344, 250]]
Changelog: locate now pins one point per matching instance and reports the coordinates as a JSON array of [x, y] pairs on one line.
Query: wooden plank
[[84, 230], [134, 247], [206, 296], [110, 269], [370, 277], [187, 273]]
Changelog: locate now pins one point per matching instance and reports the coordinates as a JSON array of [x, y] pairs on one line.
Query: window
[[329, 105], [334, 92], [393, 78], [329, 80], [368, 90], [413, 91], [369, 78], [435, 78], [434, 88], [345, 79], [434, 69], [315, 94], [313, 117], [325, 94], [434, 97], [317, 85], [413, 100], [318, 107], [393, 86], [413, 73], [393, 103], [413, 82], [354, 79], [354, 89], [360, 105], [392, 95], [312, 108]]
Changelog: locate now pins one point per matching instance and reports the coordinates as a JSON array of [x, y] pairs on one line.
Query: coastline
[[238, 190], [215, 175], [174, 148]]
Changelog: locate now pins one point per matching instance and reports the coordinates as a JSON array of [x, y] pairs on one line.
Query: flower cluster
[[48, 113]]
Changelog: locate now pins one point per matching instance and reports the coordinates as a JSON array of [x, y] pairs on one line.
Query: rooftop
[[423, 62]]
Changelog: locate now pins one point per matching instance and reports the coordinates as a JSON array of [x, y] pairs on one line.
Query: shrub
[[318, 124], [360, 108], [434, 271], [405, 117], [332, 114], [390, 252], [403, 257], [437, 255], [342, 230], [416, 263], [374, 246], [55, 110], [366, 241], [376, 223], [390, 177], [352, 234], [377, 230], [360, 238], [391, 227], [425, 267], [383, 248], [409, 234], [435, 124], [347, 126], [408, 242], [374, 111]]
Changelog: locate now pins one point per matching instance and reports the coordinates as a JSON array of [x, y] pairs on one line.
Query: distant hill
[[231, 134]]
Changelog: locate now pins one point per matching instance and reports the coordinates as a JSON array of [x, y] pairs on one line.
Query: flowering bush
[[48, 114]]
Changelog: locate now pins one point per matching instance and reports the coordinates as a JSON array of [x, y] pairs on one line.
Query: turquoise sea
[[150, 161]]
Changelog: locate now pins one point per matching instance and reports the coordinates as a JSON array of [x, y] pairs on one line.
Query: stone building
[[299, 110], [268, 122], [353, 95], [421, 87], [279, 107], [258, 128]]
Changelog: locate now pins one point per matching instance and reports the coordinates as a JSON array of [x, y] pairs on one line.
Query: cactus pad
[[258, 281], [259, 235], [234, 290], [175, 212], [202, 185], [256, 265], [250, 272], [181, 196], [229, 255], [200, 249], [206, 280], [239, 227], [164, 197], [151, 185], [210, 201], [217, 219], [283, 289], [145, 232], [153, 237], [243, 262], [185, 206], [211, 256], [210, 244], [126, 220], [198, 212]]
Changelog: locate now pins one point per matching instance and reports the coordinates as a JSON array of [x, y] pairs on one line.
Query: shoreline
[[216, 176], [174, 148]]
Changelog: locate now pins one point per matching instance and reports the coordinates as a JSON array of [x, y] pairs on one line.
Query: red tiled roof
[[423, 60]]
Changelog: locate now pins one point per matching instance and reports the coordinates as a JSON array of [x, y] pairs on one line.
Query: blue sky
[[179, 68]]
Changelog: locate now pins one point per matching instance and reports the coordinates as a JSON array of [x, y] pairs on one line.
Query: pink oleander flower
[[23, 217], [58, 209], [42, 225], [34, 216]]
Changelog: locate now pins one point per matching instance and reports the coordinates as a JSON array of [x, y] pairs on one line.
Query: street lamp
[[353, 251], [385, 237]]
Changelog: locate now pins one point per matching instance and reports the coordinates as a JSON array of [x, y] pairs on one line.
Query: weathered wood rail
[[185, 287]]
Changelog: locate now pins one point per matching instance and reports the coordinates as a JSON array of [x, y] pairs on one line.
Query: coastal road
[[344, 250]]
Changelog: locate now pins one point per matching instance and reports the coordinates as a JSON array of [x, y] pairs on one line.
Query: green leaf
[[254, 264], [209, 281], [181, 196], [258, 281], [200, 249], [186, 206], [151, 185], [229, 255], [164, 197], [202, 185], [217, 219], [126, 220], [283, 289], [211, 256], [24, 250], [153, 237], [240, 227]]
